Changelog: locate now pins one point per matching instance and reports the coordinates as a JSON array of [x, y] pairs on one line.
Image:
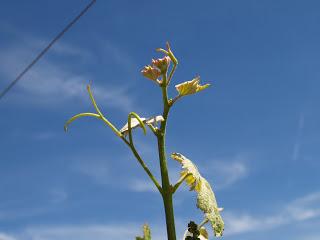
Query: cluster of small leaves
[[193, 228], [146, 233]]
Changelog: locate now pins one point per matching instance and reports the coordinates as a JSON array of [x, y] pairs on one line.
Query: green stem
[[172, 101], [172, 72], [166, 187], [134, 151]]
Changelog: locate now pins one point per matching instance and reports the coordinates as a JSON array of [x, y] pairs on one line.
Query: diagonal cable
[[30, 65]]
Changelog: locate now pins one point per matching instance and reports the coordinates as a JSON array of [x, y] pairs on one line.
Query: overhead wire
[[40, 55]]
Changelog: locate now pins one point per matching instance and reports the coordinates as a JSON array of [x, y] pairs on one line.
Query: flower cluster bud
[[162, 64], [152, 73], [159, 67]]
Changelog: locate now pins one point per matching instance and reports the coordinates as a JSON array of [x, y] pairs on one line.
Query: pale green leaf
[[206, 200], [191, 87]]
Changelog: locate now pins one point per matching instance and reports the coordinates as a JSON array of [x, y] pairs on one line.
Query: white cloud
[[301, 209], [13, 214], [6, 237], [97, 232], [305, 208], [96, 169], [50, 82], [121, 231], [242, 223], [226, 172], [118, 231], [101, 173], [139, 185]]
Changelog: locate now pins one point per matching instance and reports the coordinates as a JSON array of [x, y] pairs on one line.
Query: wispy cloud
[[96, 232], [101, 173], [139, 185], [50, 82], [121, 231], [13, 214], [103, 169], [227, 171], [6, 237], [15, 211], [301, 209], [96, 168]]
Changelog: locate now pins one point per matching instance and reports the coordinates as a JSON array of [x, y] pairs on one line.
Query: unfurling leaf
[[194, 178], [191, 87], [206, 200]]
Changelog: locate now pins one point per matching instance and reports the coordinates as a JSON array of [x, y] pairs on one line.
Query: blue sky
[[253, 134]]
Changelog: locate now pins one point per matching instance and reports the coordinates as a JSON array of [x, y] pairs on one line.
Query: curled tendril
[[98, 115]]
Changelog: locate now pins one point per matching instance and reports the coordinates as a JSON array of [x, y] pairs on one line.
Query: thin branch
[[170, 54], [172, 72], [100, 113], [172, 101], [203, 223], [164, 94], [93, 100], [176, 186], [136, 154]]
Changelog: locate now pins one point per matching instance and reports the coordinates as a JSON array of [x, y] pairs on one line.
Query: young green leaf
[[191, 87]]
